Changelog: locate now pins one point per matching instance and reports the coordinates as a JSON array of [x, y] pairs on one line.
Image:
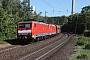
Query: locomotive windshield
[[24, 25]]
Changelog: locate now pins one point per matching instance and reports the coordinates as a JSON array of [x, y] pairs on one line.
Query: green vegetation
[[1, 41], [87, 33], [82, 41], [83, 49], [79, 23]]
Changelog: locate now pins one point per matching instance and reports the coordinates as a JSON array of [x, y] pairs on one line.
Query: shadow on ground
[[17, 42]]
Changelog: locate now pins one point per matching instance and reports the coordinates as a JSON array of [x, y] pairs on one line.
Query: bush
[[82, 56], [80, 42], [87, 33], [87, 46]]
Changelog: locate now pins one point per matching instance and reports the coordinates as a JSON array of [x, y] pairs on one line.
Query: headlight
[[19, 34]]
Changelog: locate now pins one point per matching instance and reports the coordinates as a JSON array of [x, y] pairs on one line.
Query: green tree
[[11, 6], [3, 17], [63, 20], [85, 9], [86, 12]]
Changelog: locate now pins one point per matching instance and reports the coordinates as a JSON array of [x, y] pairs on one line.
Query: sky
[[58, 7]]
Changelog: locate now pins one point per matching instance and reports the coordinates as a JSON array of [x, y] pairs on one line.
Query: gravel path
[[4, 45], [65, 52]]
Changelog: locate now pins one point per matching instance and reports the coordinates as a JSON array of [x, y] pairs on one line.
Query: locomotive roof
[[33, 21], [39, 22]]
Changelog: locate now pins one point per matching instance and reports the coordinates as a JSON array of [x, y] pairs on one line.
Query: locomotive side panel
[[53, 29], [40, 29]]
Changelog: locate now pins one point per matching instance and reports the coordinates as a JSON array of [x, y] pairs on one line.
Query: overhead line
[[61, 6], [51, 6], [41, 6]]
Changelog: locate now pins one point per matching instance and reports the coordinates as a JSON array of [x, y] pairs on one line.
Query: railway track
[[43, 53], [64, 52], [36, 51], [9, 48]]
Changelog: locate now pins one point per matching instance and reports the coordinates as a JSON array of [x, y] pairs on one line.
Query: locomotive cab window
[[27, 25], [24, 25]]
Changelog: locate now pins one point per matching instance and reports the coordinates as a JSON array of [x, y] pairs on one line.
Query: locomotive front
[[24, 30]]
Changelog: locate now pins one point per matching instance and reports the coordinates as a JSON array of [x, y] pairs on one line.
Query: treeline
[[14, 11], [79, 23]]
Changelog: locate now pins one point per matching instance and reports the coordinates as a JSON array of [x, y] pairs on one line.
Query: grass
[[6, 38], [1, 40], [80, 51]]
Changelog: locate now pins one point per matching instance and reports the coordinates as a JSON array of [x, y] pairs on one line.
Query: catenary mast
[[28, 3], [72, 7]]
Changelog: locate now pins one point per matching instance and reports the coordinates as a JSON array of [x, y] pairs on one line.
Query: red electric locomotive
[[34, 30]]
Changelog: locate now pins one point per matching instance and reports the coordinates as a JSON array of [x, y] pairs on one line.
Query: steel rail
[[10, 48], [47, 47], [58, 46]]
